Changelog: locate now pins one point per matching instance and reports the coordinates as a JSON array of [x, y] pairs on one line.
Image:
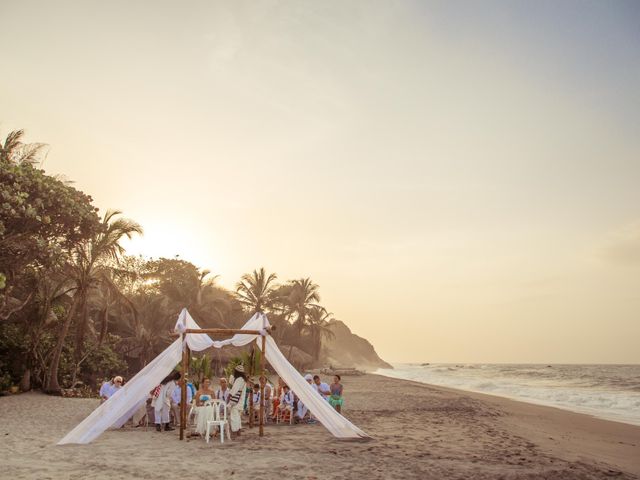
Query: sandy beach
[[419, 431]]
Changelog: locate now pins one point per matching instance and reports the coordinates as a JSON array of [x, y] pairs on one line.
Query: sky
[[460, 178]]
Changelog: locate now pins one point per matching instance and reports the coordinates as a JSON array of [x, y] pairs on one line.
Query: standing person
[[256, 401], [222, 393], [109, 388], [321, 387], [236, 399], [268, 393], [336, 399], [162, 402], [176, 397]]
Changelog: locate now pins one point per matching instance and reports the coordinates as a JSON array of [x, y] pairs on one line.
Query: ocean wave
[[606, 391]]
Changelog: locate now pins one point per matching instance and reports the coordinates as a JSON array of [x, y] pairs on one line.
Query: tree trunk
[[81, 328], [105, 324], [52, 381], [25, 383]]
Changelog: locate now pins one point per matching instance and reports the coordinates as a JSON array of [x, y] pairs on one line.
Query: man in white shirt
[[162, 402], [321, 387], [302, 409], [109, 388], [223, 392], [176, 396]]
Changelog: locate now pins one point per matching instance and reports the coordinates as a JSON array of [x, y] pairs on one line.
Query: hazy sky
[[461, 178]]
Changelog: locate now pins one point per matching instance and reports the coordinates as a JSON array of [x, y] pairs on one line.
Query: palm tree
[[318, 327], [87, 269], [186, 286], [14, 150], [146, 329], [303, 297], [255, 291]]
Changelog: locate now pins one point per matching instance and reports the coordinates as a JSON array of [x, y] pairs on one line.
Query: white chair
[[285, 414], [219, 419], [191, 415]]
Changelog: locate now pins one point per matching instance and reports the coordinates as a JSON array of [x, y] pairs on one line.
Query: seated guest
[[204, 393], [321, 387], [176, 397], [302, 410], [286, 401], [336, 399], [276, 398], [109, 388]]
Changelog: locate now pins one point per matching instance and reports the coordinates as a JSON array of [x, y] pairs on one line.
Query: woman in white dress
[[204, 411], [236, 399]]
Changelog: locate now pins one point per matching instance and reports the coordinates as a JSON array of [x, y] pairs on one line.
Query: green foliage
[[103, 360], [13, 347], [5, 381], [72, 303], [200, 368], [40, 216]]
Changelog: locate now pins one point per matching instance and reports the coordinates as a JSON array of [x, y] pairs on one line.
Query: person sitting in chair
[[286, 401], [204, 393], [302, 410]]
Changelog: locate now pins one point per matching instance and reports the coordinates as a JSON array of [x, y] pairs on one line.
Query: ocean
[[611, 392]]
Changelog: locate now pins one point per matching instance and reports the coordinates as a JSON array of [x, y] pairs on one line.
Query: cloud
[[623, 247]]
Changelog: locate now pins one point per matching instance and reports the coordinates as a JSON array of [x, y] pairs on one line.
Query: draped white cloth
[[124, 403], [339, 426]]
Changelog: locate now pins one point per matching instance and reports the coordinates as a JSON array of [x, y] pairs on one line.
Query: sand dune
[[419, 431]]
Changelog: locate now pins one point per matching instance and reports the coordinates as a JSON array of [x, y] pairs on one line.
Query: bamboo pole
[[251, 372], [262, 374], [183, 393], [221, 331]]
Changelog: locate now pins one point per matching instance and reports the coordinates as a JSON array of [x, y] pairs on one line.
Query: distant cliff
[[349, 350]]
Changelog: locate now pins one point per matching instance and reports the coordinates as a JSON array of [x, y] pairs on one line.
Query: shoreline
[[419, 432], [504, 397], [550, 426], [532, 401]]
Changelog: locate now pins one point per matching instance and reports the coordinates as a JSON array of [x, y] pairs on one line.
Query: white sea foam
[[606, 391]]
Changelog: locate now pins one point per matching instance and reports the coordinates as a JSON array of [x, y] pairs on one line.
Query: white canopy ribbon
[[196, 341]]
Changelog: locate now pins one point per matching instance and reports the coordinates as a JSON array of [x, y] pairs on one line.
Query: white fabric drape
[[126, 401], [122, 405], [339, 426]]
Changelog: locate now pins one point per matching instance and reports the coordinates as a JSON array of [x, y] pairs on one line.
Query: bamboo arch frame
[[186, 358]]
